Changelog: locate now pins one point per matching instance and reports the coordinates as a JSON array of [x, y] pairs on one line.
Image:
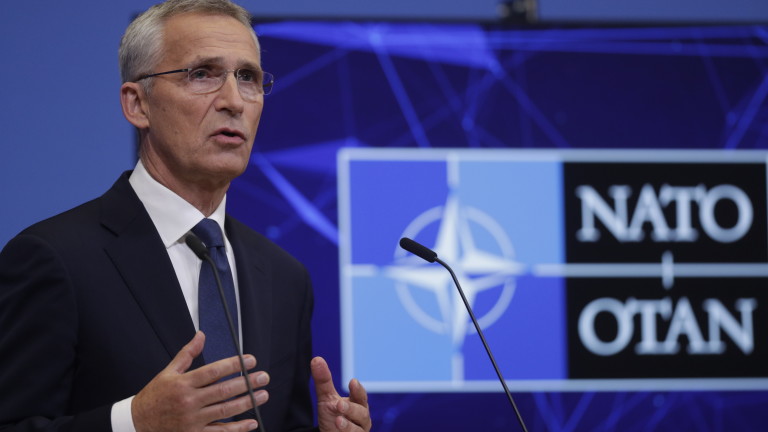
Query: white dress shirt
[[173, 218]]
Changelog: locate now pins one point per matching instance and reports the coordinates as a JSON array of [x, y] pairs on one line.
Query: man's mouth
[[230, 133]]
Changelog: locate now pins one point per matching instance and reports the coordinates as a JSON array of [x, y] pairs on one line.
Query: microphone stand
[[199, 248], [485, 344], [429, 255]]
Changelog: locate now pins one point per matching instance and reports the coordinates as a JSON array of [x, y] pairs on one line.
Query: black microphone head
[[197, 245], [418, 249]]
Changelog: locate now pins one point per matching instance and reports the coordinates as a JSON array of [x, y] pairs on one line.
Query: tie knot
[[209, 232]]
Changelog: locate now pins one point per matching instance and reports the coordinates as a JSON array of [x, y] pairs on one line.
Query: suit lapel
[[140, 257], [255, 289]]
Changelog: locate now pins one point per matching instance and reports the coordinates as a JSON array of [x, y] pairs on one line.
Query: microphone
[[429, 255], [199, 248], [418, 249]]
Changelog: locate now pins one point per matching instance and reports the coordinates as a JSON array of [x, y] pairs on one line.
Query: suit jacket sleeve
[[38, 336]]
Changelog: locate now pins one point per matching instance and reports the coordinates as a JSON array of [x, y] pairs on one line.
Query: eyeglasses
[[252, 84]]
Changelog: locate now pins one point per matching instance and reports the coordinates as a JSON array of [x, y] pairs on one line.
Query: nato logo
[[588, 270], [492, 219]]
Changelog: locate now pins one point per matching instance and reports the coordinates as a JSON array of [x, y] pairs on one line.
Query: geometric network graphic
[[379, 85]]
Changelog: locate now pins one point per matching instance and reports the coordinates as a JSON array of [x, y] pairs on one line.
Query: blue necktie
[[213, 320]]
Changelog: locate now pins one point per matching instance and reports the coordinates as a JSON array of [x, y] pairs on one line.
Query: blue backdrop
[[451, 85], [387, 85]]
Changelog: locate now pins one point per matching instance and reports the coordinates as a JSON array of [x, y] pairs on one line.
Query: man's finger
[[323, 380], [240, 426], [232, 407], [232, 387], [212, 372], [183, 359], [357, 393], [357, 414]]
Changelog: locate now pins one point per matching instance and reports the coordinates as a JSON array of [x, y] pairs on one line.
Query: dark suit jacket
[[91, 311]]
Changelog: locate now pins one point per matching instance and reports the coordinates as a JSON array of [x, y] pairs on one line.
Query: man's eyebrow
[[249, 65], [220, 60], [206, 60]]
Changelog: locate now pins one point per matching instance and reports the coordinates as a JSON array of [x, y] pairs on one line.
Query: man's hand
[[335, 413], [181, 400]]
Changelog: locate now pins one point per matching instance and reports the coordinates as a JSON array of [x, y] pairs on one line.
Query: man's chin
[[225, 173]]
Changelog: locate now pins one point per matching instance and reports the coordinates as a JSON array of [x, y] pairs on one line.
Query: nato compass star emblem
[[481, 255]]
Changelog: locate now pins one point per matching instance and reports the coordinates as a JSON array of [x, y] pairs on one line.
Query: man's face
[[202, 140]]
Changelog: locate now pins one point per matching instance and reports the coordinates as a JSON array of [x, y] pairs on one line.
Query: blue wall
[[64, 138], [65, 142], [381, 85]]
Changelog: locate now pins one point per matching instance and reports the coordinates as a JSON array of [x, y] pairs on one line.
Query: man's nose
[[229, 97]]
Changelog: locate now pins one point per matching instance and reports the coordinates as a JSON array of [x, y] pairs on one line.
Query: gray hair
[[141, 47]]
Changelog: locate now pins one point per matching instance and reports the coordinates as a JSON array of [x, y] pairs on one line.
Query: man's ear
[[134, 102]]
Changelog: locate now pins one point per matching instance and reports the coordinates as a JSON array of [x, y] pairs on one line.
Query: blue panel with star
[[405, 327]]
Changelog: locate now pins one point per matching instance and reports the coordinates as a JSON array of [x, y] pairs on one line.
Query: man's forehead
[[220, 38]]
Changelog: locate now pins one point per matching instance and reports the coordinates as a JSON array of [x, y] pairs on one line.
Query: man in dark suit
[[99, 312]]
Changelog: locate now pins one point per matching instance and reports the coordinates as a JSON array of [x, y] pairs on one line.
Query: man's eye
[[200, 74], [247, 75]]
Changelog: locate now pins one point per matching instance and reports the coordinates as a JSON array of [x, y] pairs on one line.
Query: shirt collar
[[172, 215]]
